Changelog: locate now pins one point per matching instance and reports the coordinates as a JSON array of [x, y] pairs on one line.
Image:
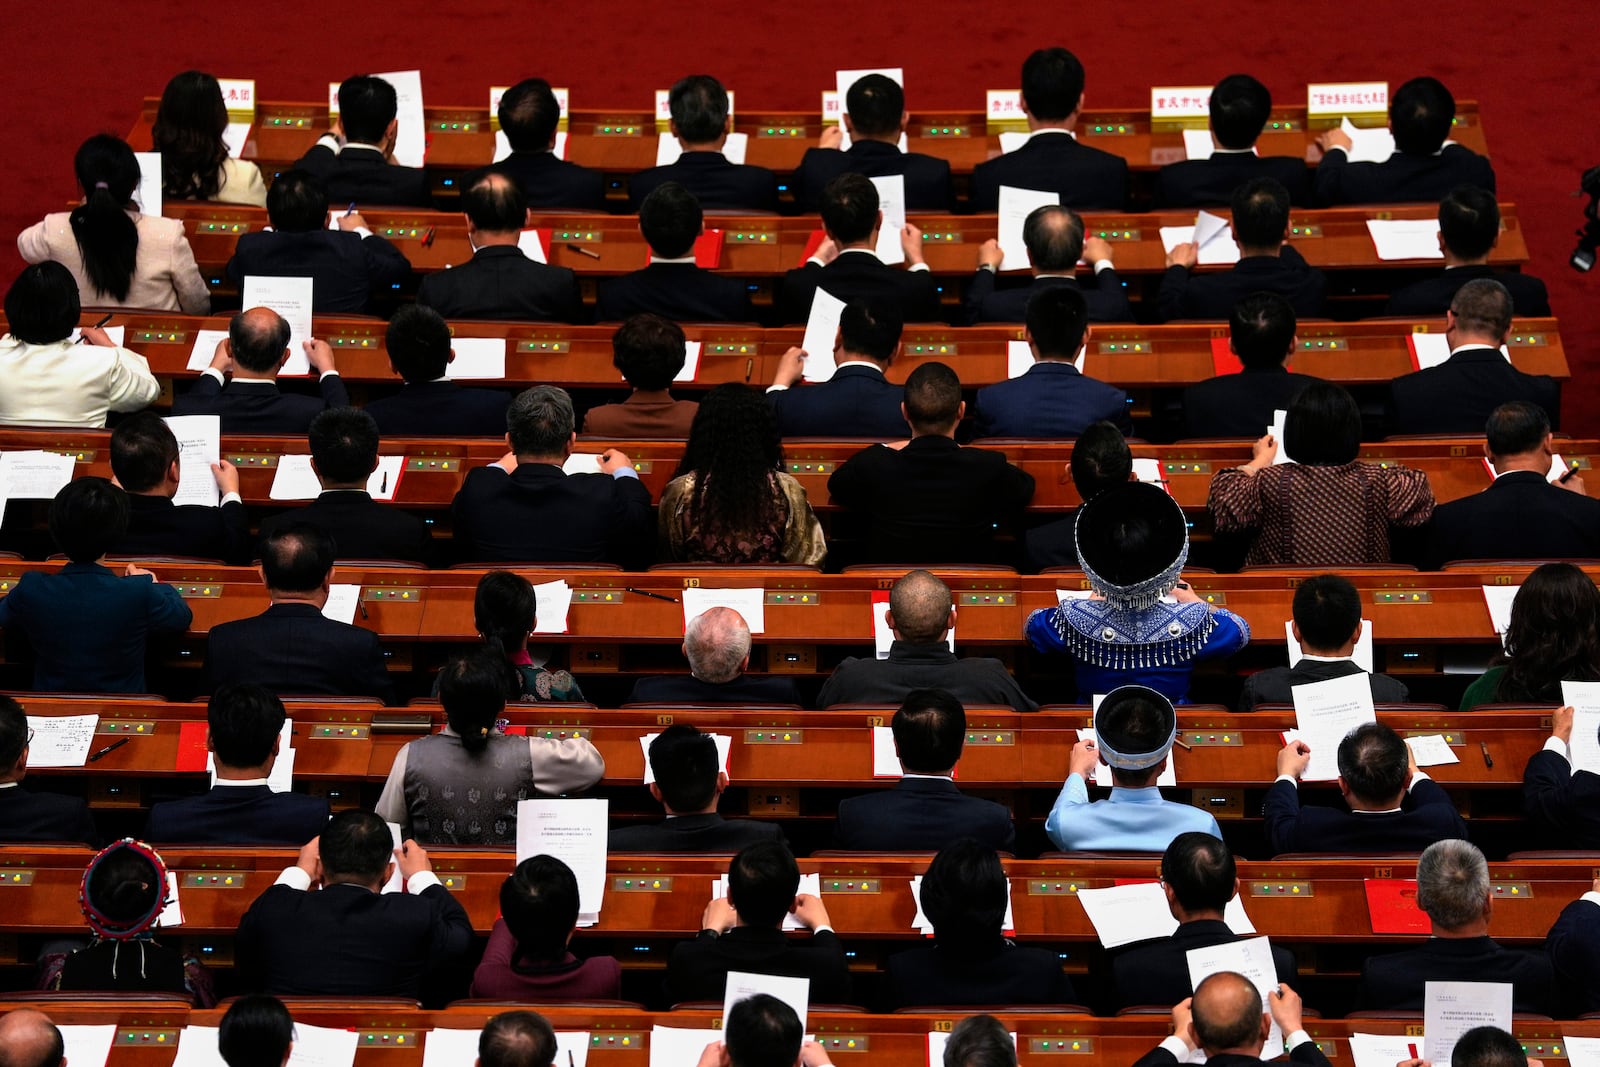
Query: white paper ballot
[[118, 335], [290, 298], [822, 329], [1102, 773], [322, 1046], [1014, 208], [552, 602], [234, 136], [885, 760], [1581, 1051], [844, 79], [1279, 418], [1148, 470], [1324, 712], [458, 1048], [532, 246], [1252, 959], [1197, 144], [574, 832], [61, 740], [148, 194], [342, 603], [197, 1047], [397, 840], [1074, 594], [1386, 1050], [691, 362], [809, 883], [582, 463], [172, 914], [676, 1046], [749, 603], [281, 777], [205, 348], [199, 446], [1011, 140], [1362, 654], [1019, 358], [1212, 236], [88, 1046], [502, 146], [892, 202], [411, 138], [795, 992], [1123, 914], [1585, 745], [1405, 238], [1372, 145], [724, 743], [883, 637], [295, 479], [668, 149], [33, 474], [1432, 349], [921, 921], [1450, 1009], [1498, 599], [1431, 750], [477, 358]]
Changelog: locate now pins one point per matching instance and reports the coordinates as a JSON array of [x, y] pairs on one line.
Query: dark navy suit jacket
[[259, 406], [927, 177], [1186, 295], [1239, 405], [29, 816], [362, 175], [1103, 292], [1399, 980], [1211, 181], [1519, 516], [1050, 400], [855, 402], [1432, 296], [859, 275], [1401, 177], [500, 282], [681, 292], [1085, 178], [718, 184], [344, 267], [538, 514], [1574, 948], [361, 527], [687, 689], [694, 833], [548, 182], [238, 815], [921, 814], [440, 409], [292, 649], [1425, 816], [1459, 394], [158, 527]]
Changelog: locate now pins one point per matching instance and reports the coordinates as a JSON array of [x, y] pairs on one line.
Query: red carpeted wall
[[74, 68]]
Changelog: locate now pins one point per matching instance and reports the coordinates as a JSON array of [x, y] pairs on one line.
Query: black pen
[[383, 486], [569, 1059], [1570, 472], [108, 316], [1483, 746], [653, 596], [112, 747]]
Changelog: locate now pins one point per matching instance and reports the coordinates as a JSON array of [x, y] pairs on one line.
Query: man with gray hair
[[540, 504], [1054, 238], [1460, 394], [29, 1039], [1453, 889], [253, 353], [717, 645]]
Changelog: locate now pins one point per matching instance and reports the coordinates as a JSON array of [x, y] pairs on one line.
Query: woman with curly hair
[[1554, 637], [195, 164], [730, 501]]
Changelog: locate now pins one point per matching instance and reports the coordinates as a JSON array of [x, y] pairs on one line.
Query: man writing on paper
[[1394, 807], [346, 938], [256, 348], [1240, 107], [1262, 334], [716, 643], [347, 266], [145, 462], [875, 114], [29, 1039], [429, 404], [1052, 159], [673, 285], [689, 782], [1135, 728], [292, 648], [649, 351], [743, 931], [1425, 164], [924, 811], [1327, 624], [1561, 802], [1199, 878], [859, 400], [500, 281], [701, 121], [27, 815], [344, 453], [846, 264], [1267, 263], [1460, 394], [1055, 242], [931, 499], [244, 725], [1226, 1019], [1469, 229], [1453, 889], [525, 507], [354, 157], [1100, 459], [1052, 399], [530, 116]]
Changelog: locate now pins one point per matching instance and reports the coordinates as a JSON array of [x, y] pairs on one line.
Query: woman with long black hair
[[195, 164]]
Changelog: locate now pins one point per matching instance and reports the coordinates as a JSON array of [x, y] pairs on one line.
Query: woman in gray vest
[[461, 786]]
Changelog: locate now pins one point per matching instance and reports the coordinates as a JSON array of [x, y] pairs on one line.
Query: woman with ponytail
[[461, 785], [195, 164], [119, 257], [504, 610]]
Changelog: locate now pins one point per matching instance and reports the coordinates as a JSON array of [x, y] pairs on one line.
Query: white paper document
[[397, 840], [668, 149], [281, 778], [1450, 1009], [88, 1046], [343, 600], [1102, 773], [691, 362], [1405, 238], [1019, 358], [822, 330], [411, 138], [892, 202], [1581, 1051], [477, 358], [552, 601], [749, 603], [117, 335], [234, 136], [809, 883], [1014, 208], [61, 740], [1498, 599], [322, 1046], [885, 759], [291, 299], [199, 446], [1197, 144], [844, 79], [172, 913], [883, 637], [531, 244], [34, 475], [205, 348], [295, 479], [1279, 418], [1385, 1050], [459, 1048], [795, 992], [148, 194], [1367, 145], [1324, 712], [676, 1046], [923, 923], [582, 463], [1212, 236], [1253, 960], [1431, 750], [724, 743], [574, 832], [197, 1047], [1584, 697], [1123, 914], [1362, 654], [1011, 140]]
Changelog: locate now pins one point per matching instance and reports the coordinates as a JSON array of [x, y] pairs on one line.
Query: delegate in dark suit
[[1401, 178], [361, 527], [499, 282], [238, 815], [1239, 405], [858, 274], [1563, 805], [29, 816], [1397, 981], [1212, 296], [916, 665], [698, 969], [1157, 971], [292, 649], [550, 182], [693, 833], [1574, 948], [344, 267], [1274, 685], [257, 406], [921, 814], [927, 177], [1050, 400], [1459, 394], [1426, 815], [359, 173], [1519, 516], [538, 513], [1431, 297], [1054, 162], [858, 401], [687, 689], [1307, 1054], [718, 184], [440, 409], [681, 292], [1211, 181], [1103, 291], [158, 527], [1010, 974]]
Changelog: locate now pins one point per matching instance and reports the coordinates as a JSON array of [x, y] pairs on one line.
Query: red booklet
[[1223, 361], [191, 746], [1392, 907], [813, 243]]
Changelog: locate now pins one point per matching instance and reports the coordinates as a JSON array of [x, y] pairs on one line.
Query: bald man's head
[[920, 606], [495, 204], [1054, 238], [717, 644], [259, 338], [29, 1039], [1228, 1015]]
